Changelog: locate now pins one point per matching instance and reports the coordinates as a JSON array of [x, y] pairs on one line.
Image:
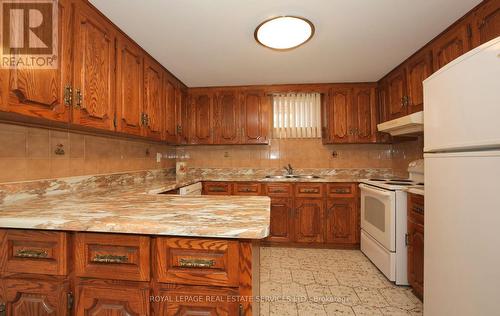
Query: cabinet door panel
[[340, 113], [94, 62], [254, 117], [227, 113], [280, 228], [308, 220], [130, 64], [487, 22], [40, 92], [396, 91], [183, 119], [451, 45], [419, 67], [416, 257], [27, 297], [112, 301], [341, 221], [153, 99], [364, 121], [201, 131], [171, 99]]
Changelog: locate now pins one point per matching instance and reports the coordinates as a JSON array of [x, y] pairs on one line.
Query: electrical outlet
[[158, 157]]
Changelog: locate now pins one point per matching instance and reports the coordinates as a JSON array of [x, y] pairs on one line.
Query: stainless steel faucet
[[288, 169]]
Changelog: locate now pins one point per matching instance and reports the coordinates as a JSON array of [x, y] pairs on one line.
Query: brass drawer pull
[[418, 209], [217, 189], [309, 191], [246, 190], [31, 253], [196, 263], [277, 191], [110, 259], [3, 309], [342, 191]]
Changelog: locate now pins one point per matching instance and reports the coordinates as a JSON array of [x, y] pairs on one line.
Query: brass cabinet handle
[[196, 263], [241, 312], [418, 209], [3, 309], [277, 191], [245, 190], [407, 240], [309, 190], [68, 95], [110, 259], [217, 189], [79, 99], [342, 191], [31, 253]]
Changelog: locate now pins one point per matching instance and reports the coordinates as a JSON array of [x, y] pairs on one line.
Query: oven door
[[378, 215]]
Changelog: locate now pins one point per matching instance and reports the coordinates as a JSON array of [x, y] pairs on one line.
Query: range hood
[[406, 125]]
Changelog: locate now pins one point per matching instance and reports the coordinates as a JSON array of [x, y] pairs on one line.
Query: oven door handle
[[374, 190]]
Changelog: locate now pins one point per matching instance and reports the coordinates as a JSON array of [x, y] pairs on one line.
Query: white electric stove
[[384, 221]]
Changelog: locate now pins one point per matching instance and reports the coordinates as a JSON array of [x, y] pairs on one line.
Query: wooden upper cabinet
[[201, 118], [364, 120], [255, 117], [452, 44], [227, 117], [153, 99], [40, 93], [339, 115], [486, 25], [418, 68], [94, 69], [171, 92], [183, 116], [396, 91], [129, 86]]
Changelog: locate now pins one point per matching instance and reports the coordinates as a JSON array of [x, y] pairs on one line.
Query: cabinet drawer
[[416, 207], [341, 190], [278, 189], [217, 188], [197, 261], [309, 190], [242, 188], [30, 251], [110, 256]]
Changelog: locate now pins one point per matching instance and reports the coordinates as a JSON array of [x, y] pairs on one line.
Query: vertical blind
[[297, 115]]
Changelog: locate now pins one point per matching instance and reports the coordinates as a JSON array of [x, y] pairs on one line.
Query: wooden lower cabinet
[[415, 243], [190, 300], [112, 300], [341, 221], [281, 213], [33, 297], [308, 220]]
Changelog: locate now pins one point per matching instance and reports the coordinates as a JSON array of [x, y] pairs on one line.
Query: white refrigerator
[[462, 185]]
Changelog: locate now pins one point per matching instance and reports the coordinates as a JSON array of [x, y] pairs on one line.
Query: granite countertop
[[416, 191], [121, 204]]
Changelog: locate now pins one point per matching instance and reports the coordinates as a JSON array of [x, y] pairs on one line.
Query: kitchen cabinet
[[415, 243], [396, 93], [308, 217], [452, 44], [217, 188], [94, 69], [33, 297], [341, 220], [364, 120], [201, 125], [171, 101], [255, 112], [112, 300], [280, 228], [486, 22], [182, 116], [227, 117], [42, 93], [129, 86], [337, 116], [153, 99], [418, 68]]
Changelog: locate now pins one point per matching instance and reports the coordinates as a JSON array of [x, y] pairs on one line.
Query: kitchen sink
[[294, 176]]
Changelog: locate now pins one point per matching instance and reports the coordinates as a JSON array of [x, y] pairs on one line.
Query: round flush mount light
[[284, 32]]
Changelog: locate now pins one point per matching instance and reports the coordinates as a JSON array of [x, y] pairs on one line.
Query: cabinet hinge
[[68, 95], [70, 301], [241, 312], [407, 239], [3, 309]]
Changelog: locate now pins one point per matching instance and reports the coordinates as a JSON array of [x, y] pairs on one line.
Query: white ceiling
[[211, 43]]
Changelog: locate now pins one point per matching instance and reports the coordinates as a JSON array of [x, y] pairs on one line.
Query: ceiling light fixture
[[284, 32]]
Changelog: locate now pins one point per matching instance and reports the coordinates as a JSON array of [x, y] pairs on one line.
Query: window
[[297, 115]]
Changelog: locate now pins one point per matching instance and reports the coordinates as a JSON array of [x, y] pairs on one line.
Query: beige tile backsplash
[[28, 153], [304, 153]]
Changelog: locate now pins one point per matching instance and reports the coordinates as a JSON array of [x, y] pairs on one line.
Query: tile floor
[[309, 282]]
